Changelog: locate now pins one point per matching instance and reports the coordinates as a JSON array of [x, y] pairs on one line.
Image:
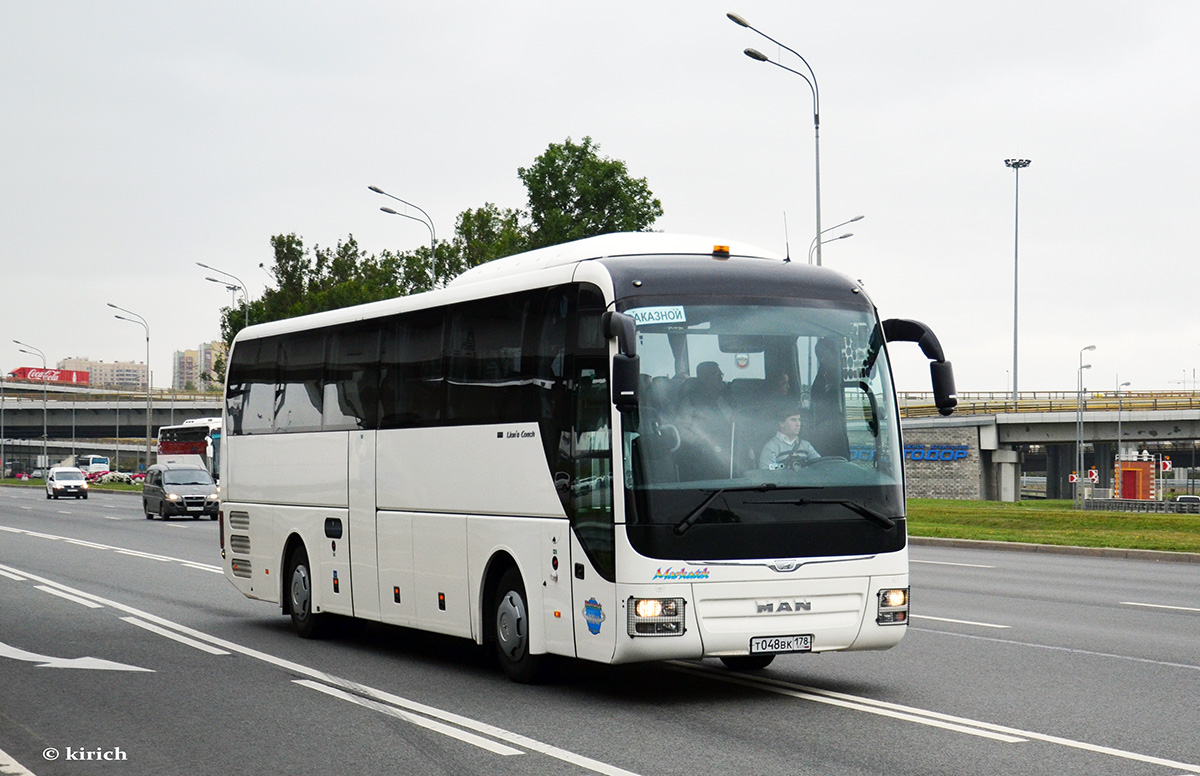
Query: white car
[[66, 481]]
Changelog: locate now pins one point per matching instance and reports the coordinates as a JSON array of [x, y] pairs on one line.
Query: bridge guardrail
[[920, 405]]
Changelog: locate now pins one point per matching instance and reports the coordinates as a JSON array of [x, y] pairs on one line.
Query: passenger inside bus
[[706, 425]]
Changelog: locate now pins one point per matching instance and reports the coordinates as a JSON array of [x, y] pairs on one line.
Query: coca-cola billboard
[[58, 376]]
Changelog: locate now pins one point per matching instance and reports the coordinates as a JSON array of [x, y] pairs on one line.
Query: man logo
[[776, 607]]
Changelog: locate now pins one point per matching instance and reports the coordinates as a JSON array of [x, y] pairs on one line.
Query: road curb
[[1057, 549]]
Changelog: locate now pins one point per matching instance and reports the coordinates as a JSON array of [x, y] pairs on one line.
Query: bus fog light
[[656, 616], [893, 607]]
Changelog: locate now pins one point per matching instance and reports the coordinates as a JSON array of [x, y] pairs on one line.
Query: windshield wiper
[[692, 517], [880, 519]]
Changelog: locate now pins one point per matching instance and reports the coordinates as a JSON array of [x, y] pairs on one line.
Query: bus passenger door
[[596, 616]]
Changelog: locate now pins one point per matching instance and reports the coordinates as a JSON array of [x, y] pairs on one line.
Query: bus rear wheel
[[298, 579], [512, 631]]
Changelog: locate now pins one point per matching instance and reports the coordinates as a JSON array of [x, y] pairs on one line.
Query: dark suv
[[179, 489]]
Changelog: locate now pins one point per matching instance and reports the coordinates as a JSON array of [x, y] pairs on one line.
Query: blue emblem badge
[[593, 613]]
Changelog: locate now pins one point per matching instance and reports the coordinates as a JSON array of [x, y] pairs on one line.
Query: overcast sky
[[141, 137]]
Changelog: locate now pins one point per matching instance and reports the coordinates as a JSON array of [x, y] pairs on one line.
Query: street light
[[146, 326], [1119, 409], [816, 245], [1017, 165], [811, 80], [240, 284], [427, 221], [1079, 472], [35, 352]]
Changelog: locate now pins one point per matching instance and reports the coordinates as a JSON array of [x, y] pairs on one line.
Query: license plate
[[195, 509], [769, 645]]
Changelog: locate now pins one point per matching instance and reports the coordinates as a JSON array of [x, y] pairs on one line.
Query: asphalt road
[[123, 650]]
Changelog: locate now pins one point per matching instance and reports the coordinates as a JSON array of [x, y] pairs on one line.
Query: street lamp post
[[1119, 412], [817, 245], [818, 242], [31, 350], [146, 326], [1017, 165], [426, 220], [240, 284], [1079, 470], [811, 80]]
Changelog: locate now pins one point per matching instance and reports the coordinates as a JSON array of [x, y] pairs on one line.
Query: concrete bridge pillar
[[1060, 462]]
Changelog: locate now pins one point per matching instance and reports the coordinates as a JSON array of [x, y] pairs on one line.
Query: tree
[[575, 193]]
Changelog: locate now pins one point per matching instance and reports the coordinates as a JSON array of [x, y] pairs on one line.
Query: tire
[[48, 496], [511, 631], [747, 662], [298, 588], [146, 510], [162, 510]]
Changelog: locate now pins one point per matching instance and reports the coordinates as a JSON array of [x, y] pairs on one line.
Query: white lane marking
[[120, 550], [18, 579], [46, 661], [428, 724], [1054, 648], [176, 636], [908, 714], [516, 739], [959, 622], [1161, 606], [10, 767], [203, 567], [82, 543], [947, 563], [140, 554], [1000, 729], [68, 596]]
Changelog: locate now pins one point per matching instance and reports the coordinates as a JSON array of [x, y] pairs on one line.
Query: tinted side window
[[411, 377], [352, 378], [487, 377], [300, 376], [250, 398]]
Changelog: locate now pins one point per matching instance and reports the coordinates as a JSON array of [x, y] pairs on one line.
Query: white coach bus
[[586, 450]]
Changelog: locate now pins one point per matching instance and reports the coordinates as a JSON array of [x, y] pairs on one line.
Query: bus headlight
[[172, 497], [893, 607], [656, 616]]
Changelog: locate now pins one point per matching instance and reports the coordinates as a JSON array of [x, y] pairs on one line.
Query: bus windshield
[[765, 428]]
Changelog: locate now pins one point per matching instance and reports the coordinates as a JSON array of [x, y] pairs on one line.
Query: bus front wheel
[[512, 631], [298, 579]]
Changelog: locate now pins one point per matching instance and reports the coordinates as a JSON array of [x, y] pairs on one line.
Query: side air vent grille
[[239, 544], [239, 521], [240, 567]]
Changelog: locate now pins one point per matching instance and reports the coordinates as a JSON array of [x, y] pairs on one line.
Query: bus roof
[[616, 245], [610, 246]]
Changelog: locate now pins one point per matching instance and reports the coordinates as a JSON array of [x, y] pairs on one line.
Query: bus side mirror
[[944, 394], [627, 365], [945, 397]]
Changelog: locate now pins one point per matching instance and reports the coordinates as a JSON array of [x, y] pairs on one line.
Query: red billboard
[[58, 376]]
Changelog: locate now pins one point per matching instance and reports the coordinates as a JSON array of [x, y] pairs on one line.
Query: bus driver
[[786, 450]]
